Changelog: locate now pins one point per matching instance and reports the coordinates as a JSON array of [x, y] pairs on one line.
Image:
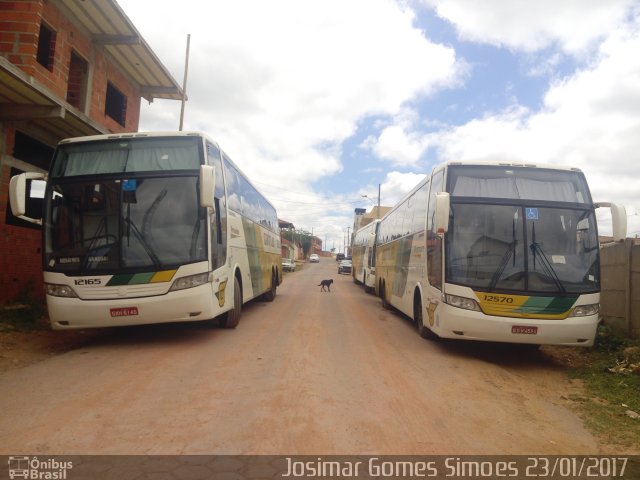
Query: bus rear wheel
[[367, 288], [270, 294], [383, 296], [232, 317]]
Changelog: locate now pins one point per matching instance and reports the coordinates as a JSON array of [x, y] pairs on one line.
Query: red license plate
[[524, 330], [124, 312]]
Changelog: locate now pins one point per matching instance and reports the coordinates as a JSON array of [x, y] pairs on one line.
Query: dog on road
[[326, 283]]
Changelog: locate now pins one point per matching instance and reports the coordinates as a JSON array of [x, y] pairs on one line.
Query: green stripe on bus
[[546, 305], [121, 279], [141, 278]]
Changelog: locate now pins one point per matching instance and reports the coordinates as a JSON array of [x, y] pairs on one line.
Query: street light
[[367, 197]]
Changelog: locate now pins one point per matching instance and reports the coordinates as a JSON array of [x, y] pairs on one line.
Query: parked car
[[339, 256], [314, 258], [344, 266], [288, 265]]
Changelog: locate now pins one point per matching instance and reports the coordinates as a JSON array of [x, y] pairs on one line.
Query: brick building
[[68, 68]]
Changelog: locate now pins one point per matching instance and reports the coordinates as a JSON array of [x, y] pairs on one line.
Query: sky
[[320, 103]]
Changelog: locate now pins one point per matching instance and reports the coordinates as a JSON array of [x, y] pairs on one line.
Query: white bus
[[150, 228], [363, 256], [496, 252]]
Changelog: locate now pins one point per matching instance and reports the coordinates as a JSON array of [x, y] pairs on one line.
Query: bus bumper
[[457, 323], [181, 306]]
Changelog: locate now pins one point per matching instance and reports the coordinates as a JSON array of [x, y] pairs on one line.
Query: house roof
[[108, 25], [51, 118]]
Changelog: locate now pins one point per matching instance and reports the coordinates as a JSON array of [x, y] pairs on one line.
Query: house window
[[46, 47], [115, 104], [77, 82]]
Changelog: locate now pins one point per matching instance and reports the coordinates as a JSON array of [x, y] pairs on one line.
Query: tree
[[304, 238]]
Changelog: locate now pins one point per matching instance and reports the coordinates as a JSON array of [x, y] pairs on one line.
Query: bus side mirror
[[207, 185], [443, 203], [618, 220], [18, 193]]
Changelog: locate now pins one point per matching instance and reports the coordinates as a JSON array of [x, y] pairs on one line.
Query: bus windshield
[[521, 231], [496, 247], [125, 203], [107, 225]]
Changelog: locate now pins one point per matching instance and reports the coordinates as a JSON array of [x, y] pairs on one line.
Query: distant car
[[344, 266], [288, 265], [339, 256], [314, 258]]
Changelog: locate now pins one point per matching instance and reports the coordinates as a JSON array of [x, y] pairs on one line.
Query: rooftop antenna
[[184, 82]]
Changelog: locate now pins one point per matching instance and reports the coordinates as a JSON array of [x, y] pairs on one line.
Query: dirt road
[[311, 373]]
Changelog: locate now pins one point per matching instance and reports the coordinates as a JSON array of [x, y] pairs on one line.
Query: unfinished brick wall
[[19, 33], [20, 21], [21, 254]]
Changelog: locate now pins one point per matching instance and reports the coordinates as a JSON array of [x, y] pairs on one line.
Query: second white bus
[[497, 252], [363, 256]]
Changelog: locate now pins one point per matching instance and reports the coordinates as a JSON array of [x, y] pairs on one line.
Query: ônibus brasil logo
[[36, 469]]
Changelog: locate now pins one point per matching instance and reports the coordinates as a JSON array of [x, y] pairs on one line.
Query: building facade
[[67, 69]]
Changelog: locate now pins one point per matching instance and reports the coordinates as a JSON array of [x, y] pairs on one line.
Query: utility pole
[[378, 213], [184, 82]]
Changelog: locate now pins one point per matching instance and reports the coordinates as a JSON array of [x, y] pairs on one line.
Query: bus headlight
[[59, 290], [190, 281], [585, 310], [462, 302]]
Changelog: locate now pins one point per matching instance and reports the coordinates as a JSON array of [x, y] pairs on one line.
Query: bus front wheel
[[425, 332], [232, 317]]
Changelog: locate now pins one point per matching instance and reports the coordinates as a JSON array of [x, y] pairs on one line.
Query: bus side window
[[434, 241], [219, 225]]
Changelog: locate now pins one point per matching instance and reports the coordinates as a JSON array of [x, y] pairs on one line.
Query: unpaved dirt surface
[[310, 373]]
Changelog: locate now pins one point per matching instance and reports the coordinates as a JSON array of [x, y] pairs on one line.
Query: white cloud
[[573, 25], [396, 185], [282, 84], [589, 120]]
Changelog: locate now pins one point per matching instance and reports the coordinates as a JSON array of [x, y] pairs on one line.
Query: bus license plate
[[124, 312], [524, 330]]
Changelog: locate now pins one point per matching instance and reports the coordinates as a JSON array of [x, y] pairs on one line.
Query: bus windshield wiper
[[147, 248], [97, 235], [510, 252], [536, 250], [503, 264]]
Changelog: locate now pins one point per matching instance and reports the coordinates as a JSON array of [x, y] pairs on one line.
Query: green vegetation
[[301, 236], [611, 375]]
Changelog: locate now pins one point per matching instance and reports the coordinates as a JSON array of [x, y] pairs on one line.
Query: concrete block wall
[[620, 297], [634, 323]]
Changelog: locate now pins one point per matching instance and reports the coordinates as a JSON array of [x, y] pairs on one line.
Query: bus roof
[[128, 135], [489, 163]]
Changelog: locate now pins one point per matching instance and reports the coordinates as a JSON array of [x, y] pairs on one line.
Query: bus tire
[[232, 317], [383, 296], [270, 295], [424, 331]]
